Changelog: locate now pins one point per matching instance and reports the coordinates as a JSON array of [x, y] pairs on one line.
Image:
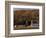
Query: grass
[[22, 27]]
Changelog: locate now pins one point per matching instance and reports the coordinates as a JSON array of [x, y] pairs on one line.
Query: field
[[22, 27]]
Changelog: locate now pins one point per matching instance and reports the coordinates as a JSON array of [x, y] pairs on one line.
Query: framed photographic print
[[24, 18]]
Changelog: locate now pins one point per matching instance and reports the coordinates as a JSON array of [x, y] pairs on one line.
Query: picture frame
[[9, 9]]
